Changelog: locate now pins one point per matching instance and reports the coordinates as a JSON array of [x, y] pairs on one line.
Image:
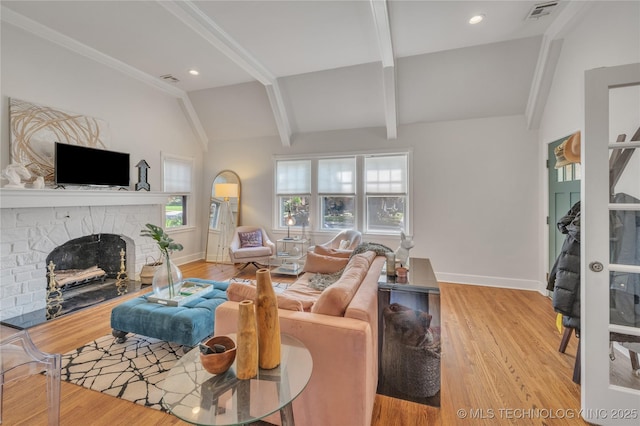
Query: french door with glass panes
[[610, 288]]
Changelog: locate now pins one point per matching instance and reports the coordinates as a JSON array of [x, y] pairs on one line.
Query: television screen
[[81, 165]]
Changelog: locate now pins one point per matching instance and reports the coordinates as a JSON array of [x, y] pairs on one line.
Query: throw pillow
[[250, 239], [325, 251], [237, 292], [324, 264]]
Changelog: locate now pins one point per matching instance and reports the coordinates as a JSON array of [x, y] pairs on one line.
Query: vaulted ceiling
[[284, 67]]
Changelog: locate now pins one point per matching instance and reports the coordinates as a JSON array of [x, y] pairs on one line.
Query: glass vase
[[167, 280]]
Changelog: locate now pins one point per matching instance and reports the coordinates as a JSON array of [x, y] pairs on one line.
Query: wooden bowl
[[217, 363]]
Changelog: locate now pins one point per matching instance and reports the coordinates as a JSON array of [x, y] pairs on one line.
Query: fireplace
[[80, 256], [36, 223], [86, 271]]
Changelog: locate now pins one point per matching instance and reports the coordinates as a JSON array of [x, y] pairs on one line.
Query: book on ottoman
[[190, 290]]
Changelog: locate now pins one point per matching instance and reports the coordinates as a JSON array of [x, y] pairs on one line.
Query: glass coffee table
[[202, 398]]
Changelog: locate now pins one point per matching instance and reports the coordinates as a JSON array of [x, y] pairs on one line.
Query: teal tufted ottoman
[[186, 325]]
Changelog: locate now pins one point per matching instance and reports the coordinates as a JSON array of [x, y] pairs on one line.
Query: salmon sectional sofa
[[339, 326]]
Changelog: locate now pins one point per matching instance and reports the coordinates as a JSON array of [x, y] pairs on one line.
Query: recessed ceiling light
[[476, 19], [194, 72]]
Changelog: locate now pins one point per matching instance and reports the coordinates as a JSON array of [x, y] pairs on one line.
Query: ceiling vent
[[169, 78], [542, 9]]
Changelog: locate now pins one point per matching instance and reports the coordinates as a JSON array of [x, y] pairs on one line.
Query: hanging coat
[[564, 278], [625, 250]]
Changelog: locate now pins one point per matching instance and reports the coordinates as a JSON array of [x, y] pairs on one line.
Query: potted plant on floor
[[168, 278]]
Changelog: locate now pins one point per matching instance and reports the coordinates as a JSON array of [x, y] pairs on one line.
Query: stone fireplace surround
[[34, 222]]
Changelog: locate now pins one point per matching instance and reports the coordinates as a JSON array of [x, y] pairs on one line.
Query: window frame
[[188, 217], [385, 194], [322, 193], [315, 197]]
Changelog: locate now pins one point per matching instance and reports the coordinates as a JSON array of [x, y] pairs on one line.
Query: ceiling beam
[[548, 58], [44, 32], [383, 30], [390, 111], [205, 27], [279, 112]]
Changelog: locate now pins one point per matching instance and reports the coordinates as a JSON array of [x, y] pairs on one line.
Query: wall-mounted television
[[81, 165]]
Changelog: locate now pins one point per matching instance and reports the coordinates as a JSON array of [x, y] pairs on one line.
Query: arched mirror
[[224, 214]]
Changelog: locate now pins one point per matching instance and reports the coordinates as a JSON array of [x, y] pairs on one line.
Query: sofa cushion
[[324, 264], [327, 251], [250, 239], [336, 298], [292, 299], [244, 253]]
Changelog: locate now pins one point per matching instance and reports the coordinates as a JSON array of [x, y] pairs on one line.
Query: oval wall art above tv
[[81, 165]]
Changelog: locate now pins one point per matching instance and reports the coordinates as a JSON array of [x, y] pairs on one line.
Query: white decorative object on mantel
[[38, 183], [14, 173]]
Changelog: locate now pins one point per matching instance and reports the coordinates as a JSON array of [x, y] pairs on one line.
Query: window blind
[[337, 176], [386, 174], [177, 175], [293, 177]]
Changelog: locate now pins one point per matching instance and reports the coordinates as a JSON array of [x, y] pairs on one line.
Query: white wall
[[142, 120], [608, 35], [479, 185], [474, 197]]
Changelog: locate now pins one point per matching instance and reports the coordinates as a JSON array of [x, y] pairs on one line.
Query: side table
[[409, 345], [290, 255], [199, 397]]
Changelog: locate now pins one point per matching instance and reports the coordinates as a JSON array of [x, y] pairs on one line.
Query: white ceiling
[[320, 61]]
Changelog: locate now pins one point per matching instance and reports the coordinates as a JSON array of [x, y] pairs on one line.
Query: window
[[337, 192], [569, 172], [366, 192], [293, 189], [386, 193], [177, 176]]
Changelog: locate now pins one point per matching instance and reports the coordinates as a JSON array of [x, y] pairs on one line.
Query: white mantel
[[36, 221], [25, 198]]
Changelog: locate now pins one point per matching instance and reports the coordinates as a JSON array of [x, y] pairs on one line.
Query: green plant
[[166, 246], [165, 242]]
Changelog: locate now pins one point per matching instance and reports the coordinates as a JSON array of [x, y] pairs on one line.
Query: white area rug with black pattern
[[133, 370]]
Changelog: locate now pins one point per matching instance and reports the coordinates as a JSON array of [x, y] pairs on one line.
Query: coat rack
[[619, 160], [617, 163]]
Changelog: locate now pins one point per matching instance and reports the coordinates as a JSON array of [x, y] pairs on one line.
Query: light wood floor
[[500, 362]]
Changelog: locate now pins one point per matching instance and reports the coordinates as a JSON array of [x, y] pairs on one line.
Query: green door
[[564, 192]]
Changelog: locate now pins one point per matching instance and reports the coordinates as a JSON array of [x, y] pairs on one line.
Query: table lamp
[[290, 222]]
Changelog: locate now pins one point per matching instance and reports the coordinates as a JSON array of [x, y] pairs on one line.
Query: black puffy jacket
[[564, 278]]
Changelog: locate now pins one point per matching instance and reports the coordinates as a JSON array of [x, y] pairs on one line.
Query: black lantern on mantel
[[142, 176]]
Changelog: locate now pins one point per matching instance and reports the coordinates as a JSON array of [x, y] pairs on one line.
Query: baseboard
[[513, 283], [181, 260]]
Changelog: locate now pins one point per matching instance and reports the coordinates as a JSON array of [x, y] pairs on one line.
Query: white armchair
[[351, 237], [250, 245]]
